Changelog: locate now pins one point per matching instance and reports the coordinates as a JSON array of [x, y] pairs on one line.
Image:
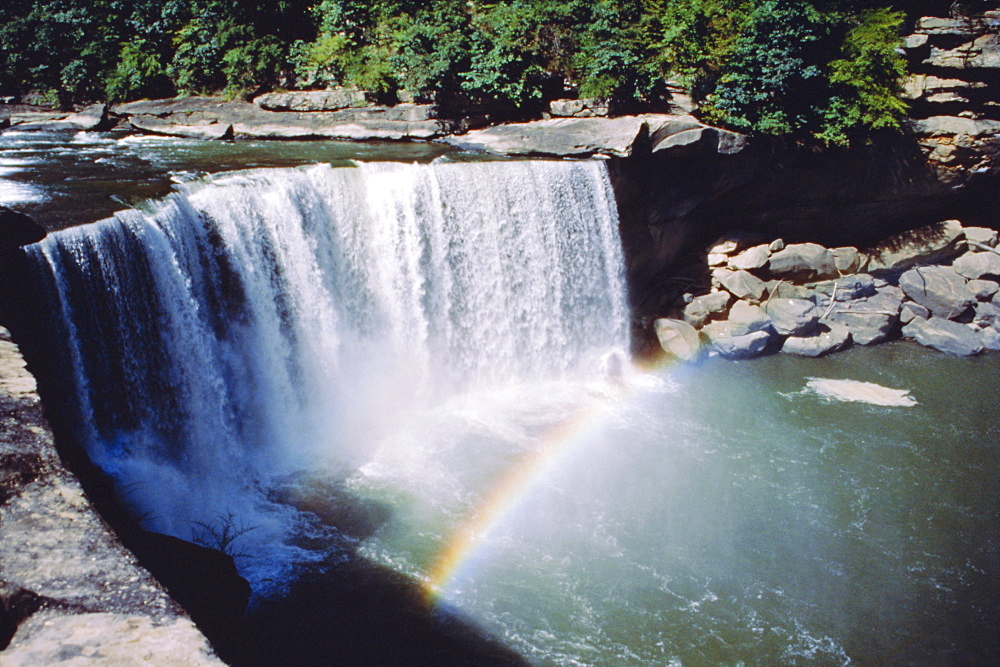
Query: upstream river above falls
[[717, 513]]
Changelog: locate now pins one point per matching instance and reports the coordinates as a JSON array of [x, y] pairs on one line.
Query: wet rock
[[17, 229], [678, 339], [209, 130], [741, 284], [792, 317], [826, 337], [706, 307], [803, 262], [944, 335], [933, 243], [983, 290], [975, 265], [939, 288]]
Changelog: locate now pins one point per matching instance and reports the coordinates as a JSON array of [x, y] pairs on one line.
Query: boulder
[[870, 320], [730, 244], [90, 119], [752, 258], [668, 132], [983, 290], [987, 315], [990, 338], [786, 290], [741, 284], [562, 137], [678, 339], [741, 347], [982, 235], [847, 288], [803, 262], [706, 307], [974, 265], [911, 311], [776, 245], [848, 260], [170, 128], [827, 337], [583, 108], [792, 317], [925, 245], [16, 230], [944, 335], [982, 52], [939, 288], [745, 318]]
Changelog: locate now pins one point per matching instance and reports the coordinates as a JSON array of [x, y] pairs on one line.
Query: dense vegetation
[[825, 69]]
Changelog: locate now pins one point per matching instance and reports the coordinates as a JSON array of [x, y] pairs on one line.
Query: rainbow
[[514, 486]]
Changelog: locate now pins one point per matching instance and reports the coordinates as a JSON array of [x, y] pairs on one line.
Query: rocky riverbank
[[69, 591], [937, 285]]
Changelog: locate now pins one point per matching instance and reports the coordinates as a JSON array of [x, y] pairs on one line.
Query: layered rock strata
[[937, 285]]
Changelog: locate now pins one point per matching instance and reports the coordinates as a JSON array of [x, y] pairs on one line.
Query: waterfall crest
[[256, 321]]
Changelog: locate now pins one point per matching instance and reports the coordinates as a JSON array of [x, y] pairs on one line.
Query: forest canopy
[[829, 70]]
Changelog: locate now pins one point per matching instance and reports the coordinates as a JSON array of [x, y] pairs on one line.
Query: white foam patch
[[860, 392]]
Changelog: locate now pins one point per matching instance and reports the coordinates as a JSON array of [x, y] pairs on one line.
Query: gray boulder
[[983, 290], [848, 260], [792, 317], [803, 262], [939, 288], [741, 284], [982, 235], [990, 338], [911, 311], [987, 314], [314, 100], [944, 335], [925, 245], [870, 320], [678, 339], [741, 347], [743, 319], [827, 337], [786, 290], [706, 307], [751, 258], [975, 265]]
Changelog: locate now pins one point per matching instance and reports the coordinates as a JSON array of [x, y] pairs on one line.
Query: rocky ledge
[[937, 285], [70, 593]]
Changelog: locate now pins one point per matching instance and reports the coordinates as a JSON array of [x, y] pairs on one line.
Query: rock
[[911, 311], [562, 137], [935, 25], [953, 126], [314, 100], [974, 265], [792, 317], [717, 259], [870, 320], [89, 119], [741, 284], [787, 290], [678, 339], [17, 229], [987, 315], [705, 307], [848, 260], [582, 108], [745, 318], [939, 288], [983, 290], [847, 288], [827, 337], [776, 245], [944, 335], [741, 347], [989, 338], [982, 235], [668, 132], [751, 258], [926, 245], [803, 262], [730, 244], [984, 51], [208, 131]]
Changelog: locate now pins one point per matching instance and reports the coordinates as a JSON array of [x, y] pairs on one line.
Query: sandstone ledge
[[68, 589]]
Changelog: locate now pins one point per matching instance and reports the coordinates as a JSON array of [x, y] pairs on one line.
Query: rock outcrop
[[69, 591]]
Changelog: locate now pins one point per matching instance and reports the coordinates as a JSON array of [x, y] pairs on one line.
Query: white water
[[265, 322]]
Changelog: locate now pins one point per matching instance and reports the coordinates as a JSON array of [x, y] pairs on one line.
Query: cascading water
[[265, 322]]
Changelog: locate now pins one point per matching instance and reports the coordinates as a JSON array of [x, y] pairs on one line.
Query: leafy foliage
[[822, 70]]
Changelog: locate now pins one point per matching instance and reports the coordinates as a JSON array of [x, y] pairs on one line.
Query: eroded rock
[[939, 288], [944, 335]]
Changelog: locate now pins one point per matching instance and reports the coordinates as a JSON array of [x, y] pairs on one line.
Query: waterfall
[[254, 323]]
